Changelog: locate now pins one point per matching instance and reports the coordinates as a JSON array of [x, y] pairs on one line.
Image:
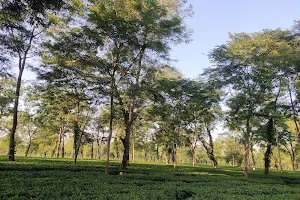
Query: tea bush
[[37, 178]]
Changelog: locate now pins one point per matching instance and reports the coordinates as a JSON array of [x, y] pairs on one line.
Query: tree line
[[104, 77]]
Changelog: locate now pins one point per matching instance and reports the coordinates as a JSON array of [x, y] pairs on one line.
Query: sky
[[213, 20]]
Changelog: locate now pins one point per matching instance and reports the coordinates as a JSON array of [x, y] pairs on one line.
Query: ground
[[37, 178]]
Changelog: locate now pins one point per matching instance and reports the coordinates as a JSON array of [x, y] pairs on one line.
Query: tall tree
[[21, 23], [254, 68]]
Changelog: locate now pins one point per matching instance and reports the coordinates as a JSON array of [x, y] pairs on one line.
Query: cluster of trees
[[103, 79], [260, 74]]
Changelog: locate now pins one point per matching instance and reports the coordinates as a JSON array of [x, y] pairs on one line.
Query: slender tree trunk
[[292, 157], [76, 134], [92, 147], [175, 155], [167, 157], [21, 65], [193, 155], [233, 161], [11, 152], [246, 147], [145, 154], [278, 150], [294, 112], [28, 147], [63, 146], [253, 158], [157, 153], [133, 148], [92, 150], [59, 142], [98, 148], [110, 128], [246, 158], [117, 148], [54, 149], [293, 163]]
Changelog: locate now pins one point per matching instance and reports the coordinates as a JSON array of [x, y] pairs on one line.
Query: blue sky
[[214, 19]]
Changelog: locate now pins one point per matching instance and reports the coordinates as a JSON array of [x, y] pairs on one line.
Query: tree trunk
[[28, 147], [125, 160], [293, 163], [81, 152], [212, 155], [11, 152], [63, 146], [117, 148], [246, 147], [267, 158], [253, 158], [278, 150], [175, 156], [53, 151], [292, 154], [98, 148], [76, 134], [59, 142], [209, 148], [92, 150], [21, 65], [92, 147], [233, 161], [110, 128], [246, 158], [193, 156], [145, 154], [157, 153], [128, 115], [133, 148], [294, 112], [167, 157]]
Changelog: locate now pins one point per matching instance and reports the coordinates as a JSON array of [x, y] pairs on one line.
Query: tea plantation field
[[37, 178]]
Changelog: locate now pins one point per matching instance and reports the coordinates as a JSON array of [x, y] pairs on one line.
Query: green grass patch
[[37, 178]]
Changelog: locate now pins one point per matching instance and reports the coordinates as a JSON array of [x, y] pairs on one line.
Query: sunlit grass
[[39, 178]]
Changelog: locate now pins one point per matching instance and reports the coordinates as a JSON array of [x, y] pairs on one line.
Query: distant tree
[[203, 113]]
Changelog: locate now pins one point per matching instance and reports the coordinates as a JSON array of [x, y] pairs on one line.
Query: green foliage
[[6, 97], [56, 179]]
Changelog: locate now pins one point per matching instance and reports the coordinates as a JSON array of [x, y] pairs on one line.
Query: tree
[[118, 38], [21, 23], [290, 141], [255, 66], [203, 112]]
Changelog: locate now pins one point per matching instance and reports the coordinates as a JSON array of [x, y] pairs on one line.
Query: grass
[[37, 178]]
